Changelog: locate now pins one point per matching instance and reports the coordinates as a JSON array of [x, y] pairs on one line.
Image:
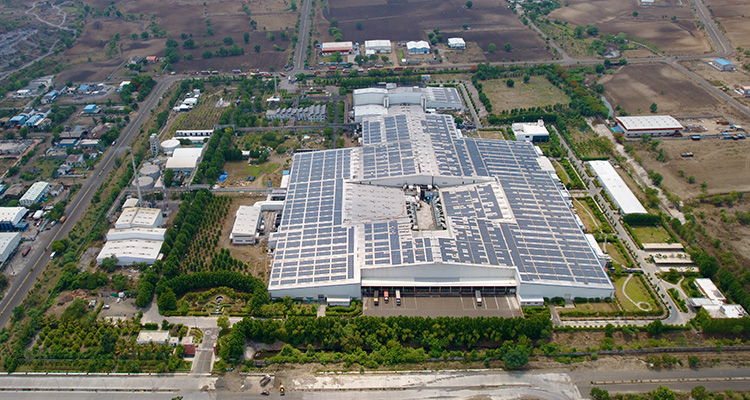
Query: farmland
[[403, 21], [204, 116], [671, 28], [537, 93], [732, 15], [635, 87]]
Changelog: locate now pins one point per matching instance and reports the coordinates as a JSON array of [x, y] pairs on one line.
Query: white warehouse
[[36, 193], [8, 242], [531, 132], [656, 125], [377, 46], [418, 47], [370, 102], [456, 43], [616, 188]]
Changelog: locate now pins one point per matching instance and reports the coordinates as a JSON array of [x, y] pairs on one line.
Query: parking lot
[[465, 306]]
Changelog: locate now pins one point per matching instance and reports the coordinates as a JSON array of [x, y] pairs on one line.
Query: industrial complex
[[423, 209], [373, 102]]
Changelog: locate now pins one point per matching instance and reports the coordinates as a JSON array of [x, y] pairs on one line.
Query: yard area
[[590, 221], [591, 308], [651, 234], [537, 93], [204, 116]]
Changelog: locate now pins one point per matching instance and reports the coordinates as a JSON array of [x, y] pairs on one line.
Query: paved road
[[304, 33], [79, 204]]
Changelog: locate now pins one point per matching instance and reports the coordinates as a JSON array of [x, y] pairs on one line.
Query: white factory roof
[[184, 158], [246, 221], [707, 287], [139, 217], [649, 123], [421, 44], [456, 41], [130, 203], [725, 311], [131, 251], [34, 192], [136, 233], [493, 216], [8, 240], [378, 43], [531, 128], [617, 188], [334, 46], [12, 214]]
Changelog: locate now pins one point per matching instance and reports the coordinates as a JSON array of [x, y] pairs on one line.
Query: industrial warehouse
[[421, 209]]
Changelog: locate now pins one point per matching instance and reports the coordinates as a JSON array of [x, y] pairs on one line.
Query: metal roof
[[649, 122], [722, 61], [344, 209], [617, 188]]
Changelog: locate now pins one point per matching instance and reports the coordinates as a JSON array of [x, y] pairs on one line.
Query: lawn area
[[262, 172], [537, 93], [651, 234], [491, 135], [617, 256], [561, 172], [636, 291], [592, 308]]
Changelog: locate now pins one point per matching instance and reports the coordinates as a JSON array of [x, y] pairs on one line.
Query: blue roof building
[[91, 109], [18, 120], [722, 64]]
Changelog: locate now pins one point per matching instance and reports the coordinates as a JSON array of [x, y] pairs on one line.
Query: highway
[[300, 50], [78, 205]]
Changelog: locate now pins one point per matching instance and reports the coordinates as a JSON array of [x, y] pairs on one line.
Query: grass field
[[636, 291], [650, 234], [204, 116], [537, 93], [617, 256], [590, 221], [561, 172]]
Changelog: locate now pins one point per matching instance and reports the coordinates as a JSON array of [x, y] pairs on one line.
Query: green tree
[[599, 68], [246, 37], [168, 177], [655, 328], [635, 13], [109, 264], [491, 48], [469, 4], [510, 82], [257, 48], [663, 393], [334, 22], [223, 323], [228, 40], [526, 79], [599, 394], [167, 301], [653, 108], [144, 35], [508, 47], [515, 358], [699, 393], [359, 26]]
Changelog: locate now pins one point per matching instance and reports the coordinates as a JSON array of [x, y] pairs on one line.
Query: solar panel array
[[540, 236]]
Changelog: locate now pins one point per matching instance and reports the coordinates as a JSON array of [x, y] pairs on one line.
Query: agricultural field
[[207, 24], [489, 21], [537, 93], [732, 14], [204, 116], [671, 27], [635, 87], [727, 81]]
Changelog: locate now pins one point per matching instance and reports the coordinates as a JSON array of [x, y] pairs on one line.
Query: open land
[[635, 87], [652, 24], [413, 20], [725, 80], [537, 93], [734, 16]]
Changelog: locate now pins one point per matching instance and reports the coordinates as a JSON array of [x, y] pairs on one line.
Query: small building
[[74, 160], [139, 217], [337, 47], [616, 188], [456, 43], [743, 91], [152, 59], [56, 190], [74, 132], [417, 47], [246, 223], [36, 192], [8, 243], [50, 97], [378, 46], [530, 132], [91, 109], [130, 203], [203, 133], [18, 120], [656, 125], [160, 337], [722, 64]]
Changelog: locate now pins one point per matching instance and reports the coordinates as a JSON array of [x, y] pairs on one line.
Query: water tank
[[145, 182], [150, 170], [168, 146]]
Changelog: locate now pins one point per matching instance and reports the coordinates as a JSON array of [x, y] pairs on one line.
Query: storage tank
[[168, 146], [145, 182], [150, 170]]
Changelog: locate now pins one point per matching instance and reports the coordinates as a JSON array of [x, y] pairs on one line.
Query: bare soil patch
[[635, 87], [252, 255], [734, 16]]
